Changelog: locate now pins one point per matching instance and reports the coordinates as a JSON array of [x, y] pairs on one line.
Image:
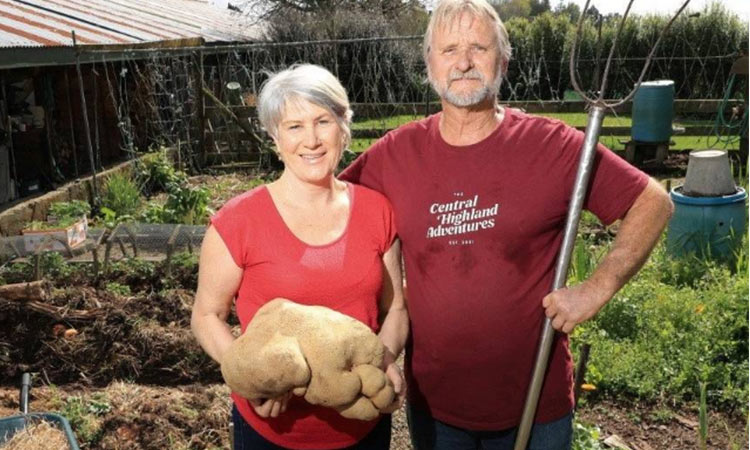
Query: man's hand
[[271, 407], [394, 373], [567, 307]]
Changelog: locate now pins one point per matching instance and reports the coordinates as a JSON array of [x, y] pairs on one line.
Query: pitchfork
[[597, 107]]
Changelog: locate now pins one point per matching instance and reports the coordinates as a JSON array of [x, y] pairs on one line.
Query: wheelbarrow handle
[[25, 386]]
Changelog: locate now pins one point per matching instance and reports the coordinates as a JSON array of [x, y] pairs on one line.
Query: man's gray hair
[[449, 11], [303, 82]]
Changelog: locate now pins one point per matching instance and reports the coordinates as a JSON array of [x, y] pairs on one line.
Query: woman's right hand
[[270, 407]]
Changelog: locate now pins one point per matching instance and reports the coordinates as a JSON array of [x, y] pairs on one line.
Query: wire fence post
[[86, 122]]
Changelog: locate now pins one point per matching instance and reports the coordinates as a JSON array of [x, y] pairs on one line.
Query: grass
[[680, 142], [385, 123], [573, 119], [359, 145]]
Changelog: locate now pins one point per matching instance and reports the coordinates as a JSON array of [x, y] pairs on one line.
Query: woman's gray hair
[[449, 11], [303, 82]]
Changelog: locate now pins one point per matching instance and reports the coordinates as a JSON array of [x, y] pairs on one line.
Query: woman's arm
[[395, 319], [219, 279]]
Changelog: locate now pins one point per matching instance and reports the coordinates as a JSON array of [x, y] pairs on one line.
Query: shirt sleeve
[[389, 224], [232, 227], [367, 169], [614, 184]]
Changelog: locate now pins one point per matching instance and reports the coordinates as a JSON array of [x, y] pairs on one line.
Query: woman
[[312, 239]]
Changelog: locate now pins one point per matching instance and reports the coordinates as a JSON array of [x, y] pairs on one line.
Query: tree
[[508, 9], [572, 10], [539, 7], [265, 9]]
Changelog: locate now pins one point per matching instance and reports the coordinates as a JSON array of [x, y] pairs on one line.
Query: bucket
[[709, 174], [707, 226], [653, 110]]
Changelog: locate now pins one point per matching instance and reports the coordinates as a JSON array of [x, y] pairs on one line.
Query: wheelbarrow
[[10, 426]]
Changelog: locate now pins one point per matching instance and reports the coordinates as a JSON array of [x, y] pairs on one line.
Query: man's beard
[[472, 98]]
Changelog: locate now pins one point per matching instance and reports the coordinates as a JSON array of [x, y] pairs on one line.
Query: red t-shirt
[[344, 275], [481, 226]]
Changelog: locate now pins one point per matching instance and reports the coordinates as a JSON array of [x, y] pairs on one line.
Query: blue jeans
[[246, 438], [428, 433]]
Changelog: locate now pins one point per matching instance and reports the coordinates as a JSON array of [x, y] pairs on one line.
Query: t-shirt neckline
[[277, 213], [478, 146]]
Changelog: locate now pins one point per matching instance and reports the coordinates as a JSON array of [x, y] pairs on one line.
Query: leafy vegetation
[[586, 437], [74, 209], [122, 197], [156, 173], [61, 215], [679, 323]]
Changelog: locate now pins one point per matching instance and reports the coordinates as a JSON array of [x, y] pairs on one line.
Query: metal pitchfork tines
[[597, 107]]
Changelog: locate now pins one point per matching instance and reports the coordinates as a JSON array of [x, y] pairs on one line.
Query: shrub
[[186, 204], [122, 195], [155, 173], [663, 334]]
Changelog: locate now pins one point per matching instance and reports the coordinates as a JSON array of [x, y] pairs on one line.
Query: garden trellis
[[157, 94]]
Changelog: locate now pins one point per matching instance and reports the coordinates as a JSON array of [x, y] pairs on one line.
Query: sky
[[741, 7]]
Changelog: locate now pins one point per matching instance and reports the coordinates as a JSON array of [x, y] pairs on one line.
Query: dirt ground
[[196, 416]]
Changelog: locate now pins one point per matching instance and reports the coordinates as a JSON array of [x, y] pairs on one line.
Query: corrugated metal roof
[[48, 23]]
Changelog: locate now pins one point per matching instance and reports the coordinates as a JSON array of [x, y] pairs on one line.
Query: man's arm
[[638, 234], [395, 321]]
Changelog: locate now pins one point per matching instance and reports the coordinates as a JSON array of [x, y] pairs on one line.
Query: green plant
[[586, 437], [54, 265], [74, 209], [61, 215], [121, 195], [186, 204], [132, 269], [117, 288], [155, 173], [84, 419], [702, 418], [152, 213], [185, 261], [677, 323]]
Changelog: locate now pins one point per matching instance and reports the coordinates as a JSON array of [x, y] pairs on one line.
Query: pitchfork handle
[[585, 166]]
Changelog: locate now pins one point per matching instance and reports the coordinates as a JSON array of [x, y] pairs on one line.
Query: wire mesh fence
[[201, 100], [102, 247]]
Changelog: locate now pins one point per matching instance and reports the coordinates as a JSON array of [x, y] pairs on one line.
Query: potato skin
[[332, 359]]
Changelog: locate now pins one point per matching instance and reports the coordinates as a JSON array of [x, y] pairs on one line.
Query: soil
[[196, 416]]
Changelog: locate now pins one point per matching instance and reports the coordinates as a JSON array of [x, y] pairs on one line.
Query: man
[[480, 194]]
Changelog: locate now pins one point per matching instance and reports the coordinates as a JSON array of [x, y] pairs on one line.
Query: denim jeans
[[428, 433], [246, 438]]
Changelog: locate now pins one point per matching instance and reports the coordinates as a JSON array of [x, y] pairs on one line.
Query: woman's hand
[[271, 407], [394, 373]]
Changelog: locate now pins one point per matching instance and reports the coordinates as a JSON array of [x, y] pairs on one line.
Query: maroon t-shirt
[[481, 226]]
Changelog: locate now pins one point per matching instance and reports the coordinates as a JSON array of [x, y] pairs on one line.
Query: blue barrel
[[707, 226], [653, 110]]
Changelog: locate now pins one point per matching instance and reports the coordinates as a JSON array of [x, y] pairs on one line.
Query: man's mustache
[[473, 74]]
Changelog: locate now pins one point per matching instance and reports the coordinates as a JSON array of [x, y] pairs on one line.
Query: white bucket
[[708, 175]]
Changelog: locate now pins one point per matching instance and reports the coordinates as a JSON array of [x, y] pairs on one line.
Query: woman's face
[[309, 141]]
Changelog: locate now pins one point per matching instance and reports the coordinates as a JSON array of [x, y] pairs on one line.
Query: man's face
[[463, 61]]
